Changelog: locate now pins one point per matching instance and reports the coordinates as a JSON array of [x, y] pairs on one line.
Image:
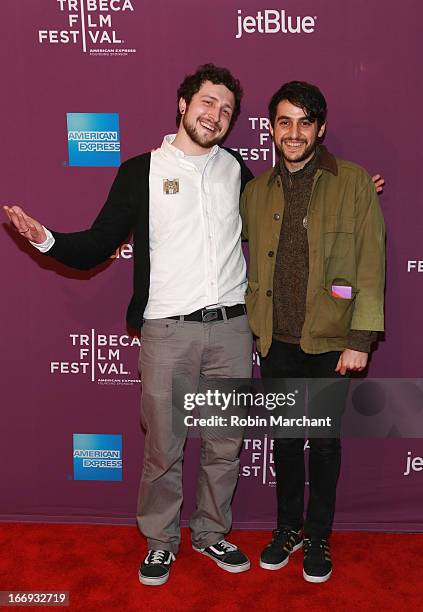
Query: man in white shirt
[[182, 204]]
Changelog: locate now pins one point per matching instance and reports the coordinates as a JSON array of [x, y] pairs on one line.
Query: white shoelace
[[157, 556], [227, 546]]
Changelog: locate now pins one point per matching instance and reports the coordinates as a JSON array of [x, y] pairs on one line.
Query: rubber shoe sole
[[277, 566], [233, 569], [316, 579], [153, 581]]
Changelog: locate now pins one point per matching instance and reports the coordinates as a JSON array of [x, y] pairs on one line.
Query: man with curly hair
[[182, 203]]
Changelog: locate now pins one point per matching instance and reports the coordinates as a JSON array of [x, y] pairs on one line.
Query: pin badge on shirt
[[170, 186]]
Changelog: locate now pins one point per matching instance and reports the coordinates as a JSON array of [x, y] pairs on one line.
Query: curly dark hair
[[305, 96], [209, 72]]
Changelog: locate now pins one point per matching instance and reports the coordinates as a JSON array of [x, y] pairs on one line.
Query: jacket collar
[[327, 163]]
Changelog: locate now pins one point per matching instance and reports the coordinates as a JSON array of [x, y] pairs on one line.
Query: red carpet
[[98, 566]]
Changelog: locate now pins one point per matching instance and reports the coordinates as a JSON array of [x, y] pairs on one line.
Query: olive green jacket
[[346, 238]]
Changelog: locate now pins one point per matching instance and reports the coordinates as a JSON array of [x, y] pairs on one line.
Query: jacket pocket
[[338, 236], [252, 305], [332, 316]]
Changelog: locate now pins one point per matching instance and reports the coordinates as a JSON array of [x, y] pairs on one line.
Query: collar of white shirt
[[168, 149]]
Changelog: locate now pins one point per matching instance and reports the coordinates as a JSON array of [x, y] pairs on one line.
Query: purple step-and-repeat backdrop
[[69, 367]]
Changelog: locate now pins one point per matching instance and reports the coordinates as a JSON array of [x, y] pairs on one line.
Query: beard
[[293, 157], [206, 141]]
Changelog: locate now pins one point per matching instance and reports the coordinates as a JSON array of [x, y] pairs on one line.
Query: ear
[[182, 106], [322, 130], [271, 130]]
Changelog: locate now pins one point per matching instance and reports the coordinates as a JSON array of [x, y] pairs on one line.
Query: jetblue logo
[[97, 457], [93, 139], [272, 21], [413, 464]]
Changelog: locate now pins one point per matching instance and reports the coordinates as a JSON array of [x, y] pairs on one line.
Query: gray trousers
[[194, 352]]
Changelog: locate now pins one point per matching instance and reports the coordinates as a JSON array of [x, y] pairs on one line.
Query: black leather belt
[[206, 315]]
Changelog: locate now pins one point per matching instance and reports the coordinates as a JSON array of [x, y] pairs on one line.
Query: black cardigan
[[126, 210]]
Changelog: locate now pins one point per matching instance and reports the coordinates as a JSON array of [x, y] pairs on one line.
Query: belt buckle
[[209, 315]]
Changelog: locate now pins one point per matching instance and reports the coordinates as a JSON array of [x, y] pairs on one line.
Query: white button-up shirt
[[195, 232]]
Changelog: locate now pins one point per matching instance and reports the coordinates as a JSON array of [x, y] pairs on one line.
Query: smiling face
[[207, 118], [294, 135]]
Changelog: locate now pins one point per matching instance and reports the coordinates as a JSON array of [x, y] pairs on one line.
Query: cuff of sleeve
[[361, 340], [45, 246]]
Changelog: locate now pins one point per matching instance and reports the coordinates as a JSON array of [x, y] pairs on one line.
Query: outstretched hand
[[27, 227]]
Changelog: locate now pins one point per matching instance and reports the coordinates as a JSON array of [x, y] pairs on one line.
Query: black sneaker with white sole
[[155, 568], [284, 543], [227, 556], [317, 561]]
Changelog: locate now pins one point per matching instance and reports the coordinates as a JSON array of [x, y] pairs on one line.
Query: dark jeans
[[286, 360]]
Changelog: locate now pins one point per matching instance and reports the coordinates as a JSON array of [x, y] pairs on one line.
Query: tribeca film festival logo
[[88, 24], [93, 139], [97, 457], [99, 357], [257, 460], [271, 21], [263, 149], [415, 265]]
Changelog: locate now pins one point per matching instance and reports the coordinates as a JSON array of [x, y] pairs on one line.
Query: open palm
[[28, 227]]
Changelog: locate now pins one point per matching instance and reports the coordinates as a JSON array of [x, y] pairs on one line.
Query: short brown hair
[[209, 72]]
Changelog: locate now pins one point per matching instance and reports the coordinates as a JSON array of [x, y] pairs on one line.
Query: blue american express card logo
[[93, 139], [97, 456]]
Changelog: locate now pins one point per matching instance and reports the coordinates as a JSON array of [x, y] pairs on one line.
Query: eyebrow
[[226, 105], [291, 118]]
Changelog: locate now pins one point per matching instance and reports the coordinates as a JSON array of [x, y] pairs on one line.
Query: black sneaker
[[284, 543], [155, 568], [317, 561], [227, 556]]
